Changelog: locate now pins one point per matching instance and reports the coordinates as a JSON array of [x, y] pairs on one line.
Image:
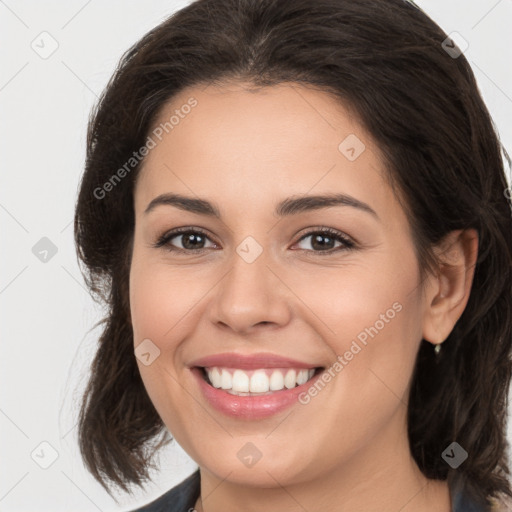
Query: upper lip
[[250, 361]]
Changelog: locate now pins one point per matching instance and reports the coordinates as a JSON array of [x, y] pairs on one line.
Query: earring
[[437, 349]]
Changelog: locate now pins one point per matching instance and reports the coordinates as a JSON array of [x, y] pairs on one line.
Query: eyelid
[[347, 241], [164, 239]]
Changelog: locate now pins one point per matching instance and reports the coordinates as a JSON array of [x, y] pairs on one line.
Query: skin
[[245, 151]]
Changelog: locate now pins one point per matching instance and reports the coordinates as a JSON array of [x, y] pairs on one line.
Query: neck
[[383, 477]]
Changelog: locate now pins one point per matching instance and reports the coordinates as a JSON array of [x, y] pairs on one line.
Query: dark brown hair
[[384, 59]]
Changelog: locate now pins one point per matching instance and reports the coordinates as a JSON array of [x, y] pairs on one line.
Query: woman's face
[[258, 296]]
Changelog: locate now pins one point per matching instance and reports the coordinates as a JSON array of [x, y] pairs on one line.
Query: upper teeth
[[257, 381]]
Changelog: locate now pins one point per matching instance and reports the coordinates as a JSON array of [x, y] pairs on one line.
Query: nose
[[250, 297]]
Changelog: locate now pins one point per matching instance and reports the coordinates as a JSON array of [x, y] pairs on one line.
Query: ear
[[447, 292]]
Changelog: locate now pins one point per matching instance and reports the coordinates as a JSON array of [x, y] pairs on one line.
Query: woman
[[296, 213]]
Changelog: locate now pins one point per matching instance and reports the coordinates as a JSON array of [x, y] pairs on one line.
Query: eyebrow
[[289, 206]]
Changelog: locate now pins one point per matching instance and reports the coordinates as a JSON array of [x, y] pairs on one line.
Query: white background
[[47, 314]]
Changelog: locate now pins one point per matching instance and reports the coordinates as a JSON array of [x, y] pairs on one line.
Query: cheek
[[369, 301], [158, 312], [152, 306], [371, 316], [160, 299], [372, 322], [164, 304], [338, 306]]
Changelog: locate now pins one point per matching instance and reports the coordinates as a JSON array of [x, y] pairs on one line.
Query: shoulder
[[180, 498]]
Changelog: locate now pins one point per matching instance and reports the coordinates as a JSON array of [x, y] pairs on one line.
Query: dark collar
[[183, 497]]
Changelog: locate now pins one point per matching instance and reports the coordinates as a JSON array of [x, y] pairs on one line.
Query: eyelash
[[164, 240]]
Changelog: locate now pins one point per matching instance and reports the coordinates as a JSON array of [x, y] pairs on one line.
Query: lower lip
[[250, 407]]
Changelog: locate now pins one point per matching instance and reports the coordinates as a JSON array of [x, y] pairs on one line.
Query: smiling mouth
[[258, 382]]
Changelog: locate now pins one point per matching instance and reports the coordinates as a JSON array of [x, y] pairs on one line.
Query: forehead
[[257, 144], [227, 116]]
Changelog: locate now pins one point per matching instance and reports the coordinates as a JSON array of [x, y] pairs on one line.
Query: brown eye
[[324, 240], [191, 240], [184, 240]]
